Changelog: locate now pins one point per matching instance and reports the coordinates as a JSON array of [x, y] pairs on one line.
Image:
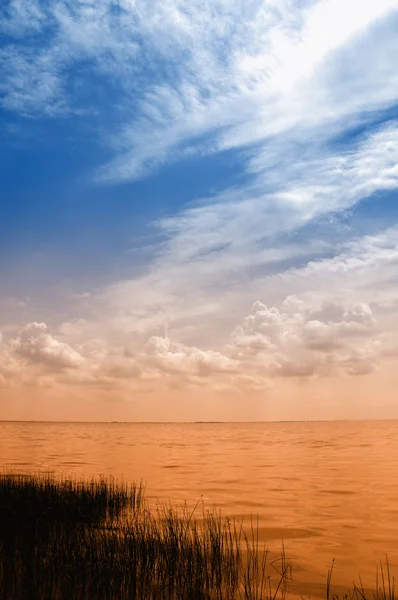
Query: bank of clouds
[[290, 341]]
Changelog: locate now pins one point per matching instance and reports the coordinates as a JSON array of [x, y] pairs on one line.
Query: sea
[[323, 491]]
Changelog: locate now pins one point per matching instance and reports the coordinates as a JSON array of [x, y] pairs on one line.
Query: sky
[[198, 209]]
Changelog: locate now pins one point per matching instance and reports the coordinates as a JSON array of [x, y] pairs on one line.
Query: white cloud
[[232, 246], [37, 346], [239, 72], [303, 337], [22, 17], [174, 358], [366, 270], [295, 344], [341, 318], [282, 73], [31, 84]]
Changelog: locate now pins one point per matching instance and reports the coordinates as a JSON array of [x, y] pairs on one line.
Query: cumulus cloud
[[295, 344], [98, 362], [39, 347], [294, 340], [168, 357]]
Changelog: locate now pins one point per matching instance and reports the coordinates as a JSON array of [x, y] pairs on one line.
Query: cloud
[[39, 347], [201, 78], [173, 358], [231, 246], [36, 354], [31, 84], [331, 316], [260, 75], [22, 17], [39, 76], [295, 340], [9, 365], [365, 271], [295, 344]]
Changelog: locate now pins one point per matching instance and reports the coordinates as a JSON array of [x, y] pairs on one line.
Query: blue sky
[[198, 196]]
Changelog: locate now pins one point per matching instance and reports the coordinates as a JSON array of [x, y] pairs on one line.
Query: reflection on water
[[329, 490]]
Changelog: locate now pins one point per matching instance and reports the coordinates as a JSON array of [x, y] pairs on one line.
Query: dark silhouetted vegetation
[[63, 539]]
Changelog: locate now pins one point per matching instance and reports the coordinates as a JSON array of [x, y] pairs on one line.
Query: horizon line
[[210, 422]]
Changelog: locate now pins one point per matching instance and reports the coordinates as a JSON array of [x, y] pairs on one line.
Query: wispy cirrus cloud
[[267, 85], [238, 72], [228, 245]]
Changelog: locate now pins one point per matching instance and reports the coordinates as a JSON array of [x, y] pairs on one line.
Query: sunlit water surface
[[328, 490]]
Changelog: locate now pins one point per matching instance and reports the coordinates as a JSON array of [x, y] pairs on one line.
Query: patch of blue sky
[[362, 124], [373, 214], [50, 204]]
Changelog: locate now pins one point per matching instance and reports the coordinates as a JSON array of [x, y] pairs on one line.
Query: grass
[[64, 539]]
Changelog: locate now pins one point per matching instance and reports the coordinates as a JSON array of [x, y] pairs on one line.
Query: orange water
[[329, 490]]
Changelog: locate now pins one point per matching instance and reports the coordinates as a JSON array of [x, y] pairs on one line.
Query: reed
[[63, 539], [27, 500]]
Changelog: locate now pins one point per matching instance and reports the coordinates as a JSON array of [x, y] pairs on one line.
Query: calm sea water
[[328, 490]]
